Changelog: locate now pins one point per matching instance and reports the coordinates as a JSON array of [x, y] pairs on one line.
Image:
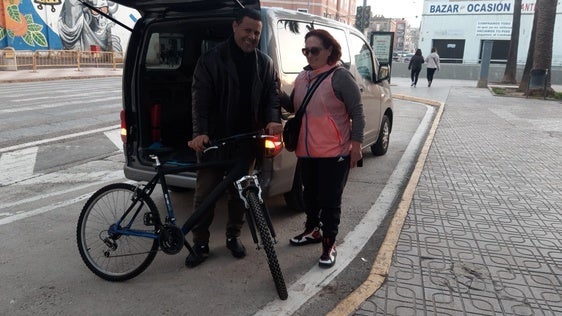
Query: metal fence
[[11, 59]]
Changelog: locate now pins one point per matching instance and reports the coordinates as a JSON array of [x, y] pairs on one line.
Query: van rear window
[[165, 51]]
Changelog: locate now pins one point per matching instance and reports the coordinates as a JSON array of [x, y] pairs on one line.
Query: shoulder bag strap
[[310, 91]]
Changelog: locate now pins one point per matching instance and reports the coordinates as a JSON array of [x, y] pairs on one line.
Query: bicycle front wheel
[[267, 243], [112, 256]]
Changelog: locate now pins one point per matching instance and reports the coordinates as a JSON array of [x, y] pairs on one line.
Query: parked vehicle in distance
[[162, 53], [406, 58]]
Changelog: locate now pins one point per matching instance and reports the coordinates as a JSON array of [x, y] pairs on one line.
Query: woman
[[329, 142], [415, 66], [432, 65]]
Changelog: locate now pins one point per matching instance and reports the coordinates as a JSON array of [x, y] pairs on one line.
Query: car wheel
[[381, 146], [294, 198]]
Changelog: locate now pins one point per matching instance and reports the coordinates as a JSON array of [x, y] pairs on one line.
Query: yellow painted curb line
[[381, 266]]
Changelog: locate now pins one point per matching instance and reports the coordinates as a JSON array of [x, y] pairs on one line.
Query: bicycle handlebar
[[236, 138]]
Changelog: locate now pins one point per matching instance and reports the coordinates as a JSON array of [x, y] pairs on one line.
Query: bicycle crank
[[171, 239]]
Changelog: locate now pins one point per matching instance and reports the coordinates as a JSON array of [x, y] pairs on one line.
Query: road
[[59, 142]]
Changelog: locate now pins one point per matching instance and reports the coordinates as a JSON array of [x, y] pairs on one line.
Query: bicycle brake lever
[[210, 148]]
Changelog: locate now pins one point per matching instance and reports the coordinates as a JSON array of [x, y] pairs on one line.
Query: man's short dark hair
[[247, 12]]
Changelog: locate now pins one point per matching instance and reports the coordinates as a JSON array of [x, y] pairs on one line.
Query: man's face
[[247, 34]]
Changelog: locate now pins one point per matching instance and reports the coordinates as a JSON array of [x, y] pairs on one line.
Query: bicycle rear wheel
[[267, 243], [116, 257]]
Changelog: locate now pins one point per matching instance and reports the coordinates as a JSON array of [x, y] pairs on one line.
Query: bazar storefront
[[458, 29]]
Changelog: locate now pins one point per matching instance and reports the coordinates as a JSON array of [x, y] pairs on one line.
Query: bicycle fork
[[251, 183]]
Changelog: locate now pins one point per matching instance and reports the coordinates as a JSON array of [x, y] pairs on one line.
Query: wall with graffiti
[[64, 24]]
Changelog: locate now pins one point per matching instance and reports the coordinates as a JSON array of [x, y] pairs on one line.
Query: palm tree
[[542, 38], [511, 66]]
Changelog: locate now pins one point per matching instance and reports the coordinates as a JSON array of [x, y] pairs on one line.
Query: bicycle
[[120, 229]]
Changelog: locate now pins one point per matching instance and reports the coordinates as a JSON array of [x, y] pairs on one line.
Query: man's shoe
[[310, 236], [329, 253], [236, 247], [199, 254]]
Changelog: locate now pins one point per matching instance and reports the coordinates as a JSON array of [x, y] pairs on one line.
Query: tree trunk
[[530, 54], [545, 36], [509, 75]]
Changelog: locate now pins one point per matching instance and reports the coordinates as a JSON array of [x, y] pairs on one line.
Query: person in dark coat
[[415, 66]]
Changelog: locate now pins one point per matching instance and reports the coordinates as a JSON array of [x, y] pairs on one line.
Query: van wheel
[[381, 146], [294, 198]]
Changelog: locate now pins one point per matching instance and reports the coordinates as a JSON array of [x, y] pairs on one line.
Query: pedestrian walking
[[432, 61], [415, 66]]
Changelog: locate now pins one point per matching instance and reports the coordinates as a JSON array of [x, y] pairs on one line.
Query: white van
[[163, 50]]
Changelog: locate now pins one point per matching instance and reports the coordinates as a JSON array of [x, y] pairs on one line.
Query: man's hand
[[274, 128], [198, 143]]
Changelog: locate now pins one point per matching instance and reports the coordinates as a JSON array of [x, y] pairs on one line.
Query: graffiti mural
[[63, 24]]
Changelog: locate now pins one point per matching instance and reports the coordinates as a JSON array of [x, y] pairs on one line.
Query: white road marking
[[54, 139], [316, 278], [12, 217], [115, 137], [52, 105], [17, 165]]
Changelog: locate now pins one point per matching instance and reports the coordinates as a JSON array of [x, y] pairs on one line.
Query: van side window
[[290, 40], [339, 35], [362, 57], [165, 51]]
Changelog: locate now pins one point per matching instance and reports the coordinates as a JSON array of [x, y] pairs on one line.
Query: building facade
[[339, 10], [63, 24], [458, 29]]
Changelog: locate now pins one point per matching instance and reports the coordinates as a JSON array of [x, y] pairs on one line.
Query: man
[[234, 90]]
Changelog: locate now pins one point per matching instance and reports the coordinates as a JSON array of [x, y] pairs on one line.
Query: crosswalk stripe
[[17, 165]]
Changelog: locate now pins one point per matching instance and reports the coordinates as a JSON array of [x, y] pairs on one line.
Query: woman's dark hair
[[327, 41], [418, 52]]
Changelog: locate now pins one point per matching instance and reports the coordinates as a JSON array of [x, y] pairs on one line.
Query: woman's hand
[[356, 153]]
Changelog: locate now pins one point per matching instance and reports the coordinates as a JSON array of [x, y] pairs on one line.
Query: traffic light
[[363, 17], [359, 18]]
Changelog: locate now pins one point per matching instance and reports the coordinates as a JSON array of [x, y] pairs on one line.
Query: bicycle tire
[[132, 254], [267, 243]]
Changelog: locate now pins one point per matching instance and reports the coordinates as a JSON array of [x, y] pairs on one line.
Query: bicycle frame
[[237, 175]]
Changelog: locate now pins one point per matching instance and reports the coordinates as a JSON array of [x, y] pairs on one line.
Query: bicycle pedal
[[148, 219]]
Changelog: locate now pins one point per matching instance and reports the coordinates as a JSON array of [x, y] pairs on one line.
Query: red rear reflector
[[123, 127], [273, 146]]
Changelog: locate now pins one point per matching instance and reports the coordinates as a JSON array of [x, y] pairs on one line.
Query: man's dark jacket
[[215, 93]]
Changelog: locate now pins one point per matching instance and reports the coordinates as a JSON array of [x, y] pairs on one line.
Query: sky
[[408, 9]]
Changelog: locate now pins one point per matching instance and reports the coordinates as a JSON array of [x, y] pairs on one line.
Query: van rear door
[[192, 6]]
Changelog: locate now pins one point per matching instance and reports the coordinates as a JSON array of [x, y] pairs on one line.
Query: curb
[[383, 261]]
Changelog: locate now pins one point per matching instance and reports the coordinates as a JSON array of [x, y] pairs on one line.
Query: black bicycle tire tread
[[267, 243], [85, 210]]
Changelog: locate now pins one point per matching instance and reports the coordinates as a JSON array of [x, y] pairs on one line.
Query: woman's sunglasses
[[313, 50]]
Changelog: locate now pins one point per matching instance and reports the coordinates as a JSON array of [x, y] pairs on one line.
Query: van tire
[[381, 146], [294, 198]]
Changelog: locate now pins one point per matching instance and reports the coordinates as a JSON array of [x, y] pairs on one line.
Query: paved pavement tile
[[483, 234]]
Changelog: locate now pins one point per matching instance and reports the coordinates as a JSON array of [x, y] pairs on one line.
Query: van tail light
[[155, 112], [123, 127], [273, 146]]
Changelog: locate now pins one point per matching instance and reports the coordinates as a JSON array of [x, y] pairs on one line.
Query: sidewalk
[[483, 231], [57, 74]]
